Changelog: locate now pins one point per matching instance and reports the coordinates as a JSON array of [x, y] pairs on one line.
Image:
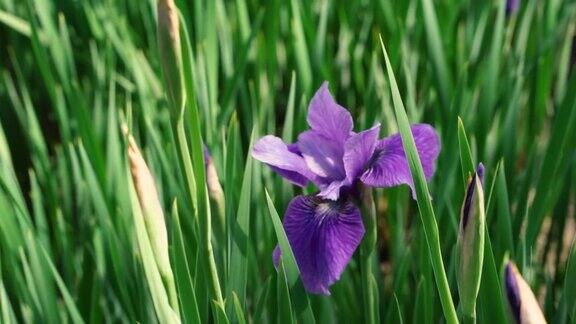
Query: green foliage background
[[72, 72]]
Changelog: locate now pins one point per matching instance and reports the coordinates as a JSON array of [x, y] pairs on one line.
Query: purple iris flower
[[325, 229]]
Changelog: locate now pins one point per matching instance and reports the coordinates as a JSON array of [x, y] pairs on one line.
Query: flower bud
[[215, 192], [170, 54], [523, 303], [151, 208], [471, 243], [512, 6], [212, 182]]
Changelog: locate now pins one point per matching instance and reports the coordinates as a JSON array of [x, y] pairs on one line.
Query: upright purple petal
[[274, 152], [389, 167], [358, 150], [322, 156], [329, 118], [323, 235]]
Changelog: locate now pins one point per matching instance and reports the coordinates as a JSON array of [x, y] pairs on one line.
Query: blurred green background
[[72, 72]]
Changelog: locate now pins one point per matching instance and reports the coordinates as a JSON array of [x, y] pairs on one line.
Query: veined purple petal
[[274, 152], [358, 150], [332, 190], [389, 167], [512, 291], [322, 155], [323, 235], [337, 166], [329, 118]]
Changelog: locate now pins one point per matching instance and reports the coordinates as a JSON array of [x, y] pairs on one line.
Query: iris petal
[[389, 166], [332, 190], [323, 235], [281, 158], [358, 150], [329, 118], [322, 156]]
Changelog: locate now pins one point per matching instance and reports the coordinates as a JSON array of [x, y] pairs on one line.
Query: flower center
[[324, 208]]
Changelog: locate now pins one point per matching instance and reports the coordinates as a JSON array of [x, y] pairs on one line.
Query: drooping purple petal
[[358, 150], [389, 167], [322, 156], [294, 148], [323, 235], [329, 118], [292, 176], [275, 153]]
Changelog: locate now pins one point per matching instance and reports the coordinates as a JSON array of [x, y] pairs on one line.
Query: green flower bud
[[471, 243]]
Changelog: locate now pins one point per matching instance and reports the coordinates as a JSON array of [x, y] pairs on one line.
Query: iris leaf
[[423, 197]]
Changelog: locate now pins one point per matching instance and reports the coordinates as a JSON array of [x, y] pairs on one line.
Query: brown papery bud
[[168, 30], [151, 208]]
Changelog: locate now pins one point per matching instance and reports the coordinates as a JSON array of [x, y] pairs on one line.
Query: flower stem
[[184, 155], [469, 318], [170, 285], [367, 256]]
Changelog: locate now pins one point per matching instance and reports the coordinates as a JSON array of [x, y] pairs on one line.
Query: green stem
[[367, 255], [184, 154], [433, 240], [168, 280], [219, 205], [469, 318]]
